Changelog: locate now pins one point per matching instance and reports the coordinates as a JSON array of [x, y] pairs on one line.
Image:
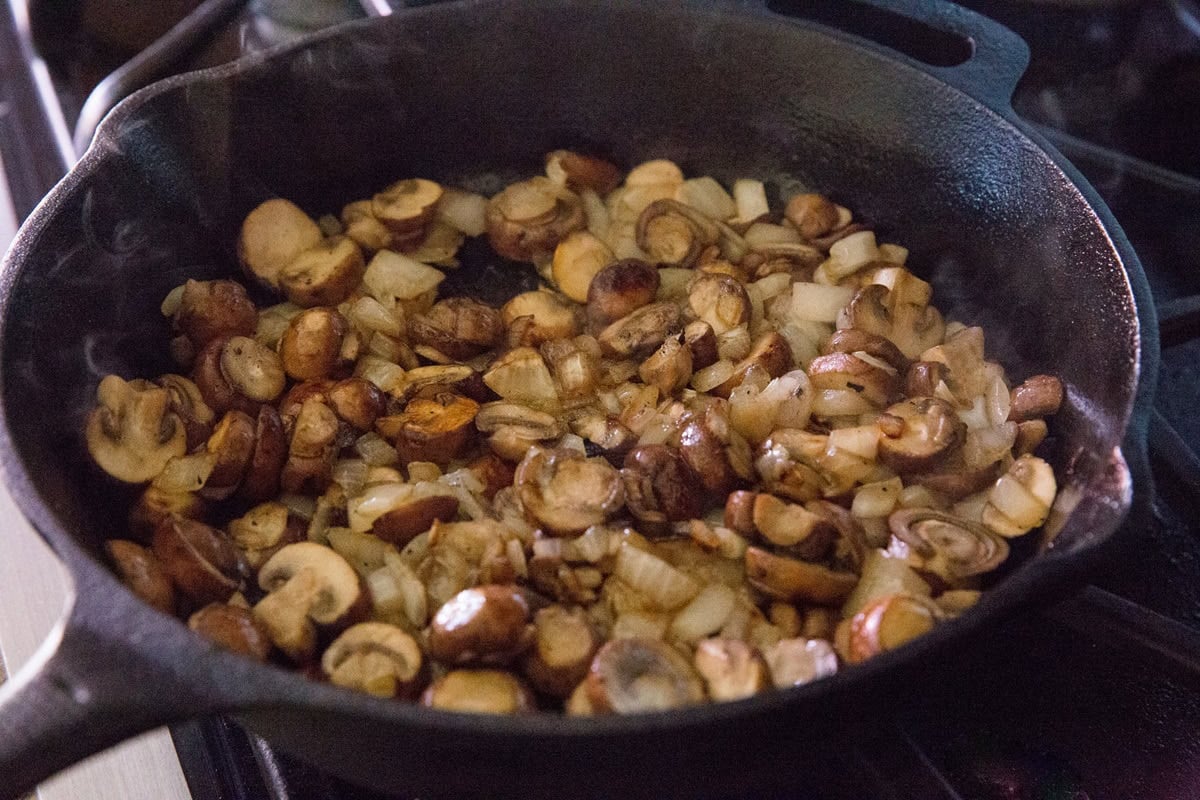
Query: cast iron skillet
[[472, 93]]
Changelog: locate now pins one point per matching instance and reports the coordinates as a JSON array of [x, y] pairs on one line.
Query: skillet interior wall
[[482, 95]]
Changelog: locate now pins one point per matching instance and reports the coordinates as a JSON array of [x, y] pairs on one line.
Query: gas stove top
[[1097, 698]]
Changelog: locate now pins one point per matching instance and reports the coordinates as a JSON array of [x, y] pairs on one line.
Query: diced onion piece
[[816, 303], [711, 376], [522, 377], [170, 303], [350, 474], [916, 496], [663, 585], [464, 211], [883, 575], [705, 614], [673, 283], [707, 196], [830, 403], [999, 399], [861, 441], [638, 625], [750, 197], [657, 172], [384, 374], [371, 315], [375, 451], [804, 346], [762, 234], [985, 446], [596, 213], [893, 254], [877, 499], [734, 344], [1020, 500], [392, 276], [771, 285], [185, 473], [848, 255]]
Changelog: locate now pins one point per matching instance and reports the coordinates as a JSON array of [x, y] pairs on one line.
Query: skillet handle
[[967, 50], [85, 690]]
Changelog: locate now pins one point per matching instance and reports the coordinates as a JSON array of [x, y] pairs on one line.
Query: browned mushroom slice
[[436, 429], [847, 526], [201, 561], [620, 289], [912, 327], [945, 545], [564, 643], [660, 487], [188, 404], [479, 691], [156, 504], [584, 171], [551, 317], [272, 235], [674, 234], [483, 625], [208, 309], [376, 658], [361, 225], [719, 300], [232, 444], [814, 215], [567, 492], [632, 676], [888, 623], [311, 452], [793, 580], [312, 344], [716, 453], [233, 628], [528, 219], [923, 377], [325, 274], [1021, 498], [1039, 396], [1030, 434], [459, 327], [641, 332], [131, 434], [307, 584], [876, 382], [407, 206], [789, 525], [263, 530], [357, 401], [702, 342], [788, 464], [142, 572], [731, 668], [770, 354], [918, 433], [669, 368], [853, 340], [794, 662], [955, 480]]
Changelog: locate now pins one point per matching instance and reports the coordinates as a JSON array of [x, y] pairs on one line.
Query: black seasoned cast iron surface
[[465, 94]]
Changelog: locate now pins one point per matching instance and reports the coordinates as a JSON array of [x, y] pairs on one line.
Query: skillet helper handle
[[962, 47], [82, 692]]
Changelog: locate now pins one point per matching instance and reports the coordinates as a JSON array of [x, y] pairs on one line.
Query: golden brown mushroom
[[674, 234], [642, 331], [376, 658], [201, 561], [437, 428], [131, 434], [731, 668], [208, 309], [660, 487], [631, 676], [564, 642], [620, 289], [142, 572], [528, 219], [719, 300], [945, 545], [459, 327], [233, 628], [272, 235], [482, 625], [325, 274], [479, 691], [567, 492], [311, 346], [918, 433]]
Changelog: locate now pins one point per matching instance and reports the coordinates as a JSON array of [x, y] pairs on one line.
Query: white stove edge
[[33, 595]]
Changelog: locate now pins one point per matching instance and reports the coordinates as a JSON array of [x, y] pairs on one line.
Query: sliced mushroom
[[876, 382], [376, 658], [1030, 434], [272, 235], [201, 561], [187, 403], [619, 289], [578, 259], [583, 171], [233, 628], [660, 487], [142, 572], [669, 368], [814, 215], [918, 433], [131, 434], [564, 642], [309, 466], [912, 327], [945, 545], [227, 365], [437, 428], [731, 669], [923, 377], [208, 309], [954, 480], [853, 340], [479, 691], [307, 585], [788, 463], [605, 432], [406, 207], [635, 675], [357, 401], [528, 219], [888, 623], [719, 300], [789, 525], [263, 530], [459, 327], [360, 224], [716, 453], [1020, 500], [156, 504], [550, 318], [398, 512], [702, 342], [483, 625], [325, 274], [312, 344], [674, 234], [1039, 396], [566, 491], [641, 332], [794, 662], [793, 580], [770, 355], [232, 445]]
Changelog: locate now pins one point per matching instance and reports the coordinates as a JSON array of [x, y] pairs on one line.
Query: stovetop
[[1096, 698]]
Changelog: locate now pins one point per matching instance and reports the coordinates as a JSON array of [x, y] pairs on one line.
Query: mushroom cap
[[567, 491], [131, 434], [929, 430], [635, 675], [375, 657], [338, 590]]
